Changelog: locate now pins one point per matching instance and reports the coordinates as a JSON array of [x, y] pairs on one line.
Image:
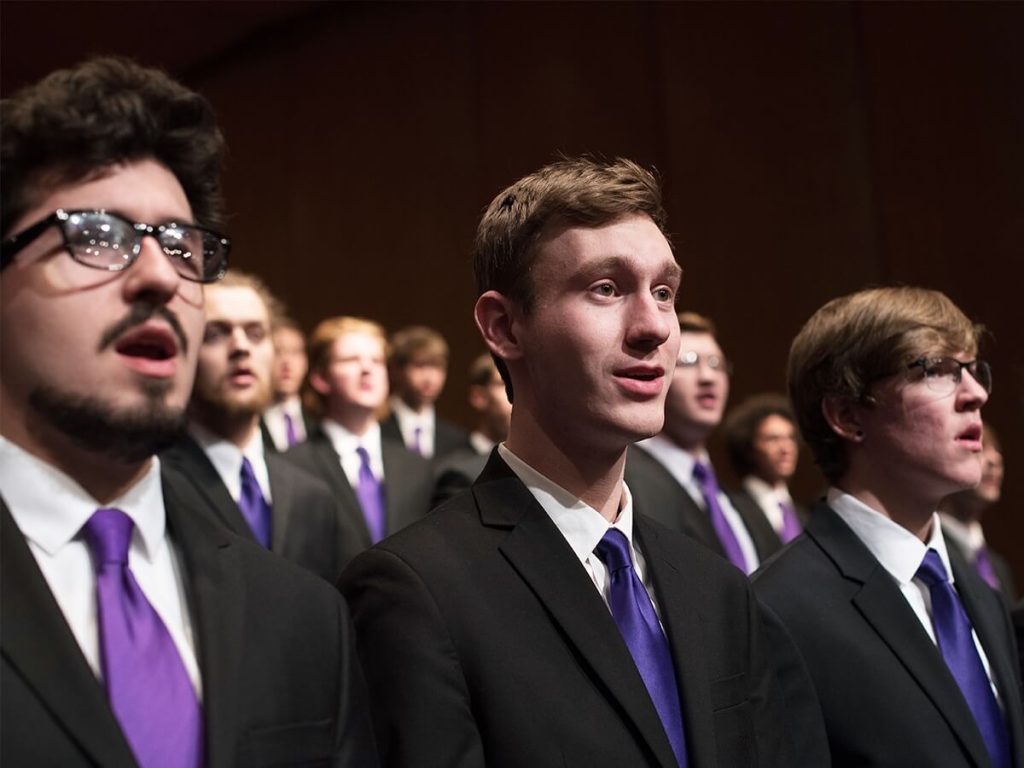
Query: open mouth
[[642, 380], [151, 351]]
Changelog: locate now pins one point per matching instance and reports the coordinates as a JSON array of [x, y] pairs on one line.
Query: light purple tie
[[791, 527], [290, 435], [953, 633], [983, 565], [254, 506], [634, 615], [371, 497], [146, 681], [705, 477]]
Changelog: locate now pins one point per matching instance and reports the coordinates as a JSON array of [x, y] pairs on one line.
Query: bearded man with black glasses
[[134, 630]]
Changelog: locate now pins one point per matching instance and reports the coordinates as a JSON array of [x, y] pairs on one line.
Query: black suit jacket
[[308, 422], [408, 482], [307, 527], [748, 508], [455, 473], [887, 695], [657, 494], [1002, 569], [274, 645], [448, 437], [485, 642]]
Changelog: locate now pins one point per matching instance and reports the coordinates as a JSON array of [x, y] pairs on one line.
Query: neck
[[236, 428], [284, 398], [686, 437], [896, 500], [417, 408], [591, 474], [357, 421]]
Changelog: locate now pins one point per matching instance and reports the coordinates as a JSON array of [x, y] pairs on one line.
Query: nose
[[152, 276], [650, 325], [970, 394]]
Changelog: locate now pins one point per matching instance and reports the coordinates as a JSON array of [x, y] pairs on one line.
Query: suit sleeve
[[422, 713], [355, 746], [789, 725]]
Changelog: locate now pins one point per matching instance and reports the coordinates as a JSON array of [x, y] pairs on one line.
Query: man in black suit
[[133, 630], [912, 655], [253, 491], [761, 442], [380, 486], [536, 620], [961, 521], [286, 423], [417, 370], [671, 474], [487, 396]]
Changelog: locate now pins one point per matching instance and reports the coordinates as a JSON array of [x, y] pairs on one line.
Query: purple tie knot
[[109, 533], [613, 550], [932, 571]]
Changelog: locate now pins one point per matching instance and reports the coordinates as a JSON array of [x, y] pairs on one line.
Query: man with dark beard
[[134, 631], [251, 489]]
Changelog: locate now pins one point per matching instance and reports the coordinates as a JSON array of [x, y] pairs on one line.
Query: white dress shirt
[[273, 417], [481, 443], [900, 552], [345, 444], [50, 509], [582, 526], [968, 535], [408, 422], [679, 463], [768, 498], [227, 460]]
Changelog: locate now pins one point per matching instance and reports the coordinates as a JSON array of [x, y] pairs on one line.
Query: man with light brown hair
[[911, 653], [381, 486], [417, 370], [536, 619], [286, 422]]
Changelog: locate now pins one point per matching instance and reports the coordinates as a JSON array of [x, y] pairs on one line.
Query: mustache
[[139, 313]]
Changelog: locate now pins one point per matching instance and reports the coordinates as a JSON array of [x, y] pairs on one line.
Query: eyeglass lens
[[944, 374]]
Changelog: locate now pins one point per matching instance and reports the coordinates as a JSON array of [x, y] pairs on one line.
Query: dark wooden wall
[[807, 150]]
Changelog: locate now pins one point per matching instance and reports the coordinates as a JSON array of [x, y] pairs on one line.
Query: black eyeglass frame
[[12, 246], [973, 367]]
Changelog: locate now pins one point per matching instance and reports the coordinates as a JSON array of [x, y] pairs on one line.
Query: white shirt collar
[[50, 508], [345, 442], [582, 526], [968, 535], [898, 550], [226, 458], [424, 419], [770, 494]]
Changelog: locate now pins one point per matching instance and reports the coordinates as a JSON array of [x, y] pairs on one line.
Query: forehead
[[236, 303], [775, 424], [141, 190], [358, 342], [632, 243], [702, 343], [288, 337]]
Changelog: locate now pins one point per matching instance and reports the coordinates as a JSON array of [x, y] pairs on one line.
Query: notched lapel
[[282, 490], [38, 643]]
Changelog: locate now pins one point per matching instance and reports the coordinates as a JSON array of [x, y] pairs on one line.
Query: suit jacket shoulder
[[488, 576]]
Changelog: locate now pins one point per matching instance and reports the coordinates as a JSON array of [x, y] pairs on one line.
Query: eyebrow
[[671, 271]]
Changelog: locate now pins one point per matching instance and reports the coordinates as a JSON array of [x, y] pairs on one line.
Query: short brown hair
[[414, 341], [482, 370], [236, 278], [691, 322], [320, 346], [580, 191], [77, 122], [854, 340], [741, 425]]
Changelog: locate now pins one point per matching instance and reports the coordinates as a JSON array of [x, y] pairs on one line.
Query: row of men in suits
[[135, 627]]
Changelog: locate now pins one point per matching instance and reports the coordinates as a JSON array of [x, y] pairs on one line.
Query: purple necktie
[[705, 477], [634, 614], [146, 681], [371, 497], [254, 507], [417, 446], [953, 632], [290, 435], [983, 565], [791, 527]]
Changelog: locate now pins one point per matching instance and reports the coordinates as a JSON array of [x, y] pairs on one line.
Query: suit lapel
[[672, 579], [40, 647], [217, 595], [282, 490], [766, 540], [328, 466], [543, 559], [884, 607], [400, 509]]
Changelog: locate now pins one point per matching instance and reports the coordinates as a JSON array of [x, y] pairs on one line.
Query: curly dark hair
[[75, 122]]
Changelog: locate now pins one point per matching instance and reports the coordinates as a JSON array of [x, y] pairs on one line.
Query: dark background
[[807, 150]]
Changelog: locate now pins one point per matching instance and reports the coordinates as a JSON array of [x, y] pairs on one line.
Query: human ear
[[495, 318], [843, 415]]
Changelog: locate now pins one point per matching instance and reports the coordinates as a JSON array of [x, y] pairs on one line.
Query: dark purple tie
[[290, 435], [417, 446], [254, 507], [791, 527], [371, 497], [983, 565], [634, 614], [146, 681], [705, 477], [953, 632]]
